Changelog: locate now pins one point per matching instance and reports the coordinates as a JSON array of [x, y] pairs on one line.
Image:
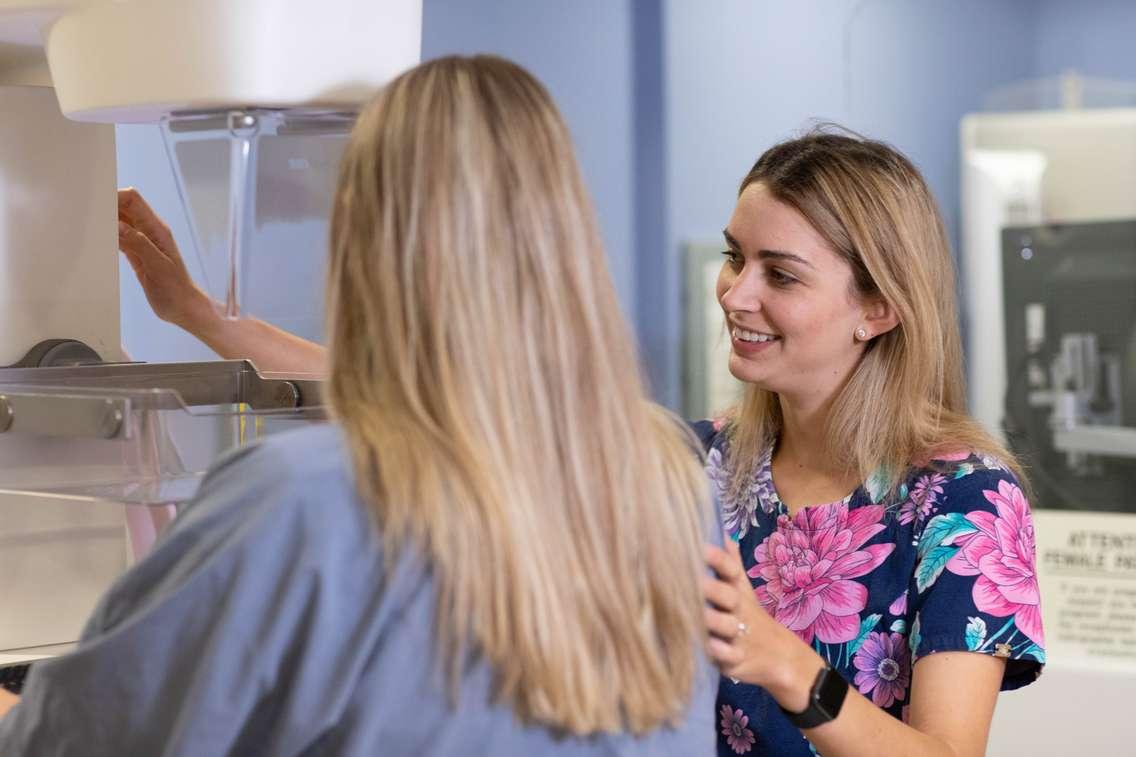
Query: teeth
[[752, 336]]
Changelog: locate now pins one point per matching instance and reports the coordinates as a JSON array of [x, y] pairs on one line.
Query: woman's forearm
[[864, 730], [270, 348], [861, 728]]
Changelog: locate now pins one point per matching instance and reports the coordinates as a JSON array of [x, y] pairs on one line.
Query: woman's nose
[[743, 292]]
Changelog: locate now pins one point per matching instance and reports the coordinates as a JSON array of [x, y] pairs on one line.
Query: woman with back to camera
[[886, 587], [455, 566]]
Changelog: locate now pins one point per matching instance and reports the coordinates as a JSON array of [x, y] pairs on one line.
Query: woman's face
[[789, 301]]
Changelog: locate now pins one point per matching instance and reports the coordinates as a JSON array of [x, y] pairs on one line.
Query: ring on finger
[[743, 629]]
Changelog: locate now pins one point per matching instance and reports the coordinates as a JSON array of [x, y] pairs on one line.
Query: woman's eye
[[780, 277], [733, 258]]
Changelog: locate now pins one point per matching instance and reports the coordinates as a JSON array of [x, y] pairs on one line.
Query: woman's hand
[[952, 693], [745, 642], [8, 700], [149, 246]]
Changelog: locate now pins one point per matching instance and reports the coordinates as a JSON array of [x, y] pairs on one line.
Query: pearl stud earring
[[861, 334]]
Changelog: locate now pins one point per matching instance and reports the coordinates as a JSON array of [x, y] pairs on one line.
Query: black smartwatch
[[825, 699]]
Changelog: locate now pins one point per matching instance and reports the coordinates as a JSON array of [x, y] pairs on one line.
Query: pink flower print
[[929, 487], [924, 495], [807, 565], [734, 722], [1001, 554], [899, 606], [883, 666]]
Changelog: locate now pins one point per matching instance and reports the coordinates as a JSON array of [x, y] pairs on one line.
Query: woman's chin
[[748, 373]]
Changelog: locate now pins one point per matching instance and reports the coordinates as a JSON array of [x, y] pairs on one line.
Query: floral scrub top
[[873, 588]]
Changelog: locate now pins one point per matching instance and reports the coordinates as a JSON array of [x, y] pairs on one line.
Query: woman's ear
[[879, 316]]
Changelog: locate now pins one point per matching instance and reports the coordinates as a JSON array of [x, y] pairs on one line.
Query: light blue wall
[[654, 308], [1096, 38], [581, 51]]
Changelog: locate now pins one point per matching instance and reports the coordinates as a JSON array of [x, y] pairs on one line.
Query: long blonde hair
[[489, 388], [906, 400]]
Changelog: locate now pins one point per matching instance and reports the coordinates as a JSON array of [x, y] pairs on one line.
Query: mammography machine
[[1049, 217], [1048, 258], [254, 99], [1070, 340]]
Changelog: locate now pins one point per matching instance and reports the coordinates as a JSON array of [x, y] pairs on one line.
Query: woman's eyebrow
[[767, 254], [782, 255]]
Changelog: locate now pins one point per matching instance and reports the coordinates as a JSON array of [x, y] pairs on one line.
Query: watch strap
[[825, 700]]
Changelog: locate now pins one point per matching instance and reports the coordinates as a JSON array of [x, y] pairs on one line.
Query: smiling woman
[[882, 542], [789, 300]]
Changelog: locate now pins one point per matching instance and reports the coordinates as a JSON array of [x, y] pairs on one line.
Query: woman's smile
[[751, 342]]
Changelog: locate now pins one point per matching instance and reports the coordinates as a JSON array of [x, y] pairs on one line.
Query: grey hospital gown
[[260, 625]]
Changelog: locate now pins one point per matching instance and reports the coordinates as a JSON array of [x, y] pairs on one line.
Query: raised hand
[[153, 254]]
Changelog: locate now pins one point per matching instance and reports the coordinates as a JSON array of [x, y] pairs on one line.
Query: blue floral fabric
[[874, 583]]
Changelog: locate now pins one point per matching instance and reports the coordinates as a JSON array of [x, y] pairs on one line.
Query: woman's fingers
[[136, 212], [149, 246], [135, 263], [724, 625], [724, 654], [138, 247], [733, 550], [725, 565], [721, 595]]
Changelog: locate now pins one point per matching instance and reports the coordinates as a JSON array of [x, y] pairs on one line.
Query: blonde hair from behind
[[491, 395], [906, 400]]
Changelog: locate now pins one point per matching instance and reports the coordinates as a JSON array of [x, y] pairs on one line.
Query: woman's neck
[[804, 471], [802, 442]]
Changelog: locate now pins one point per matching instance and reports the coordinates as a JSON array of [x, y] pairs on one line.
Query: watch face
[[829, 693]]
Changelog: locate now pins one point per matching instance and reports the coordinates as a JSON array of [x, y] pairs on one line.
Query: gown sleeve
[[182, 653]]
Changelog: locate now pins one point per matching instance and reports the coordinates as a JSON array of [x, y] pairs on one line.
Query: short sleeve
[[181, 654], [975, 585]]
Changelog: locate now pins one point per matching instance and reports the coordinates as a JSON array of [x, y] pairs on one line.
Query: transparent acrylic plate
[[257, 187], [137, 434]]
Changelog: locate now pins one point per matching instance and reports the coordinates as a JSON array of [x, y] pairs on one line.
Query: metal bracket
[[96, 400], [60, 415]]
